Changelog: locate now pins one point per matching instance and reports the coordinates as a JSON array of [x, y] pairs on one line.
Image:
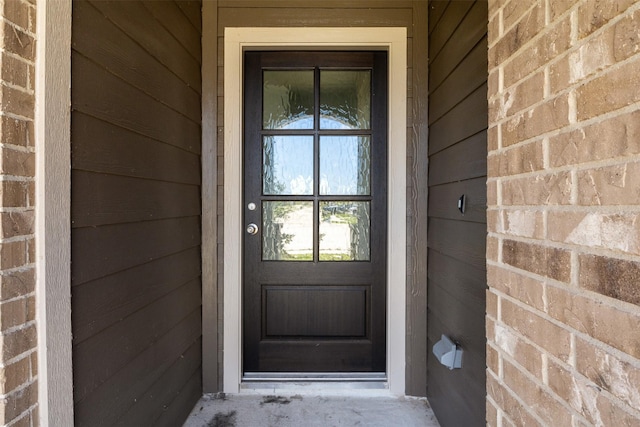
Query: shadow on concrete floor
[[307, 410]]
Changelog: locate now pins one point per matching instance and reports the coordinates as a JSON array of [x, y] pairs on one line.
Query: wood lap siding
[[457, 166], [136, 286]]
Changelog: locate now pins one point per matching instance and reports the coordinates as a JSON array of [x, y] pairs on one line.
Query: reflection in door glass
[[344, 231], [287, 165], [287, 100], [345, 99], [287, 231], [345, 165]]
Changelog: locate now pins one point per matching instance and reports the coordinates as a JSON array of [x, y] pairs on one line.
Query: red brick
[[493, 221], [509, 404], [517, 160], [578, 393], [523, 353], [17, 41], [542, 189], [490, 329], [492, 138], [517, 98], [16, 283], [17, 12], [616, 89], [522, 288], [32, 18], [627, 36], [611, 185], [18, 163], [17, 132], [17, 102], [612, 414], [606, 323], [495, 5], [17, 342], [16, 223], [615, 278], [14, 375], [618, 377], [492, 248], [527, 27], [543, 118], [540, 331], [621, 133], [540, 401], [492, 84], [492, 193], [557, 8], [554, 41], [32, 77], [23, 421], [492, 304], [614, 231], [559, 75], [593, 14], [13, 254], [492, 414], [493, 362], [606, 48], [15, 313], [16, 194], [19, 402], [34, 364], [14, 71], [542, 260], [31, 250], [519, 12]]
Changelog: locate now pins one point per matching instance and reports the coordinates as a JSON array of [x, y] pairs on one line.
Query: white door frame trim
[[52, 127], [236, 40]]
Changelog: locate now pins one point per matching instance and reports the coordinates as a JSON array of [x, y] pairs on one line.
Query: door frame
[[236, 41]]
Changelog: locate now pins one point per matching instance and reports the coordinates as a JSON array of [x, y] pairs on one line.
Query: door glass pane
[[345, 99], [287, 231], [345, 165], [287, 100], [287, 165], [344, 231]]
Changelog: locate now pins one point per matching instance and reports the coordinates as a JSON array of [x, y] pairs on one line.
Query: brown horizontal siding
[[100, 303], [119, 394], [456, 241], [102, 147], [136, 286], [284, 17], [325, 4]]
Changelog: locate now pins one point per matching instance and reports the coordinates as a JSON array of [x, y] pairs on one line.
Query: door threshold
[[332, 383], [315, 376]]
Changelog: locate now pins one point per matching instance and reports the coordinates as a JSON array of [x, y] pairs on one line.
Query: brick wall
[[18, 375], [563, 249]]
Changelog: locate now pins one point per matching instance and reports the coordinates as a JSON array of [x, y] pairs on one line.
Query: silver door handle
[[252, 229]]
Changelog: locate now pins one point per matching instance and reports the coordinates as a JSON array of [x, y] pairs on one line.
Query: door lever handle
[[252, 229]]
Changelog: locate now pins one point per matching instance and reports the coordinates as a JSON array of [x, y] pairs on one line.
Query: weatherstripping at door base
[[315, 376], [314, 382]]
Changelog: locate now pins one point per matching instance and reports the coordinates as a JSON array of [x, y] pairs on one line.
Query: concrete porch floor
[[295, 410]]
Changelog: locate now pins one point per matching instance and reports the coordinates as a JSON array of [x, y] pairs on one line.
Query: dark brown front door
[[315, 179]]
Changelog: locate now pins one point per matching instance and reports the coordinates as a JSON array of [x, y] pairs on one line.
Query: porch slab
[[297, 410]]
